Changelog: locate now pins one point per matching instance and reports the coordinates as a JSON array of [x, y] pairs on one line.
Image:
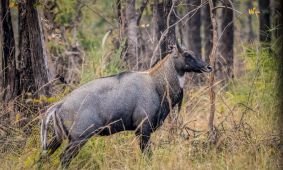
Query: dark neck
[[166, 77]]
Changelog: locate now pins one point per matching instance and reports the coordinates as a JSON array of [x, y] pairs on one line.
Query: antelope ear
[[180, 49], [175, 53], [171, 48]]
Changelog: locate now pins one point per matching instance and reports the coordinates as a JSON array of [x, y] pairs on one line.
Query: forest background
[[229, 118]]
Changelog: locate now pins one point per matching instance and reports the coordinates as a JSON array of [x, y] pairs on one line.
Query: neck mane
[[158, 65], [166, 78]]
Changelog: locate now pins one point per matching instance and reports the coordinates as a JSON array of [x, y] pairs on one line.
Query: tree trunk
[[193, 38], [250, 32], [121, 20], [193, 27], [164, 18], [129, 26], [34, 77], [158, 24], [170, 19], [65, 66], [279, 34], [264, 21], [1, 58], [8, 70], [227, 40], [276, 5], [132, 51], [207, 32]]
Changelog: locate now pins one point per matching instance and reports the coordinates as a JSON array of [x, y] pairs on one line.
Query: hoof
[[44, 155]]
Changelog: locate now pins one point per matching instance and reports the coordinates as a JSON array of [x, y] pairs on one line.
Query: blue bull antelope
[[128, 101]]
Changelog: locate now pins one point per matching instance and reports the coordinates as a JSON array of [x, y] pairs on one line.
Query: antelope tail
[[44, 125]]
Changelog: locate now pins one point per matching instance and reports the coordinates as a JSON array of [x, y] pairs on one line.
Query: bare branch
[[219, 7], [212, 132], [164, 34]]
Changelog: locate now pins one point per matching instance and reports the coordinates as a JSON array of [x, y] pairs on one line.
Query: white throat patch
[[181, 81]]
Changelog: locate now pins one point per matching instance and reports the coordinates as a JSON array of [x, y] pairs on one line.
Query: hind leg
[[71, 151], [54, 144]]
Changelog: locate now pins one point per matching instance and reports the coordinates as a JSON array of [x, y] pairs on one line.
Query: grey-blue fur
[[135, 101]]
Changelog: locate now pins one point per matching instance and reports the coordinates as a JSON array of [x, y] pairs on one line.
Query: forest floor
[[246, 121]]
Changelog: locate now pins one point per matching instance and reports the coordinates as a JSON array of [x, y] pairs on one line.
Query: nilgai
[[128, 101]]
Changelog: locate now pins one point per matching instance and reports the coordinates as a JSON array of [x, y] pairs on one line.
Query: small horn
[[180, 49]]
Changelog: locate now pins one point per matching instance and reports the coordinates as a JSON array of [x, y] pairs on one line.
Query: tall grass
[[245, 118]]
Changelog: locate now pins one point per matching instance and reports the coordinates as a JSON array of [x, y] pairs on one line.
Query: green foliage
[[67, 12], [251, 92], [252, 146], [259, 80], [103, 61]]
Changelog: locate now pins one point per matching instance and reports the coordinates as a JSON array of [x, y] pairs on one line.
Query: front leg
[[143, 133], [180, 102]]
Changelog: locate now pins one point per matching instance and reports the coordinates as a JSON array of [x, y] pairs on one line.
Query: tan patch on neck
[[158, 65]]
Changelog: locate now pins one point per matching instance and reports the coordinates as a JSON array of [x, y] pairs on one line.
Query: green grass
[[252, 144]]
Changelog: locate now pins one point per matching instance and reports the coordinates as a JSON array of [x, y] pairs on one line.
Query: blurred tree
[[158, 25], [170, 18], [278, 4], [33, 68], [193, 26], [164, 24], [120, 12], [8, 67], [227, 40], [276, 18], [264, 21], [207, 32], [129, 26], [132, 49], [250, 31], [65, 63], [193, 33]]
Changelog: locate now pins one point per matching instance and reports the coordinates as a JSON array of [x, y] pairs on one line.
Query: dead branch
[[219, 7], [212, 134]]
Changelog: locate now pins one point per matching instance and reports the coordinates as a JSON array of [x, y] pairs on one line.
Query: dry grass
[[252, 144], [246, 119]]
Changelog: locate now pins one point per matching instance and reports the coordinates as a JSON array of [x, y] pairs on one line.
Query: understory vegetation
[[246, 118], [246, 121]]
